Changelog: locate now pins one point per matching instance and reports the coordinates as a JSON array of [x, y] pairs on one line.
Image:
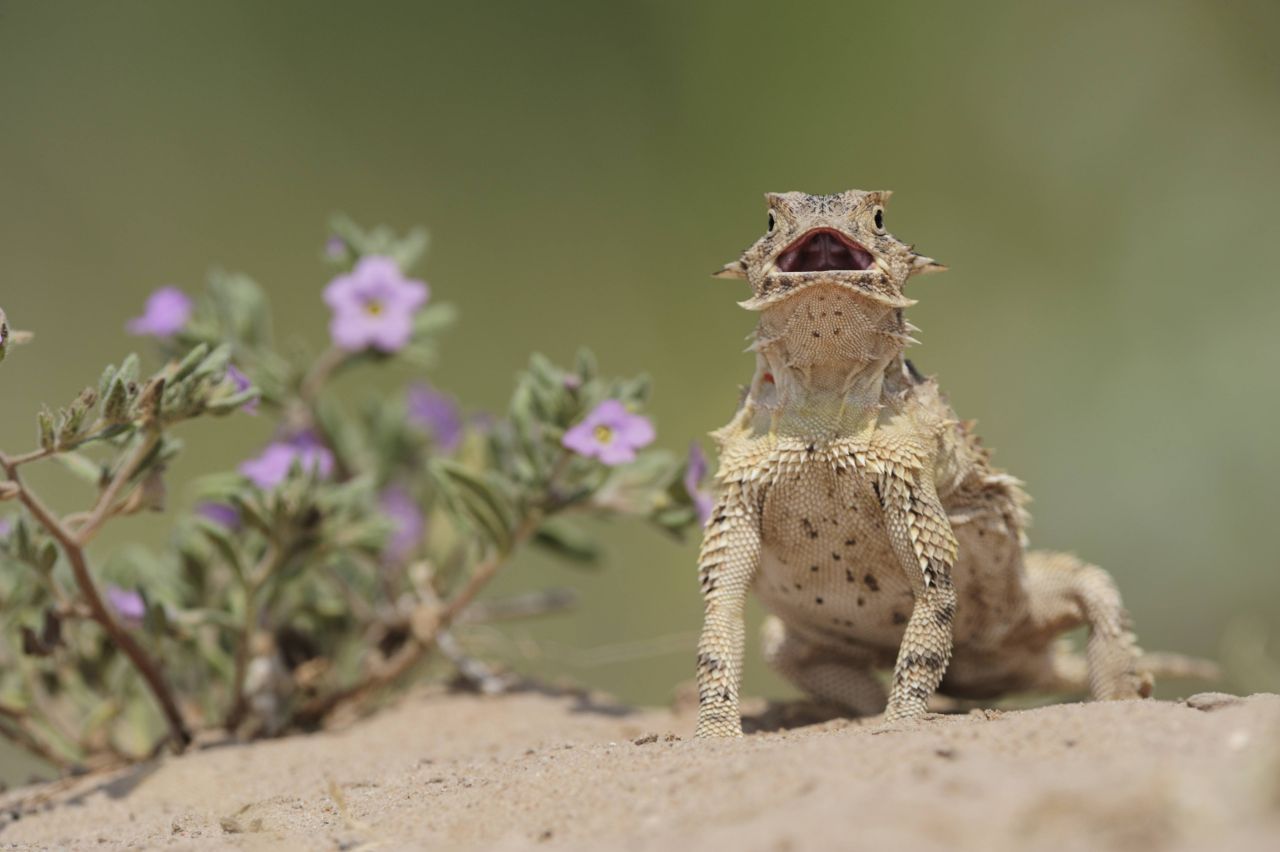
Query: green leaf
[[188, 365], [108, 375], [115, 403], [408, 250], [477, 499], [634, 391], [542, 368], [567, 540], [156, 619], [215, 363], [129, 368], [47, 557], [224, 541], [82, 467], [240, 308], [229, 404], [676, 519], [434, 318], [585, 365], [45, 428]]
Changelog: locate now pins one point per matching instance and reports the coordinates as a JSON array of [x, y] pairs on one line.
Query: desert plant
[[322, 572]]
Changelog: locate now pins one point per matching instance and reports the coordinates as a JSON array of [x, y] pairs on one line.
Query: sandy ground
[[572, 772]]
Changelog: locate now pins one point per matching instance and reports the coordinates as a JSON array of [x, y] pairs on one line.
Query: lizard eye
[[879, 220], [771, 220]]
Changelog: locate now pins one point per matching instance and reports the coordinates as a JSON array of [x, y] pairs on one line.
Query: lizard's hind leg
[[1066, 592], [824, 673]]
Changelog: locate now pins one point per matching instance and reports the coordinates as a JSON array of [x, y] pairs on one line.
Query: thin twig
[[33, 455], [105, 505], [324, 367], [74, 550], [48, 452], [332, 360]]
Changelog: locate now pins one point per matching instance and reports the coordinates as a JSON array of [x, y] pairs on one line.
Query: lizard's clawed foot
[[1123, 685], [1115, 673], [885, 724]]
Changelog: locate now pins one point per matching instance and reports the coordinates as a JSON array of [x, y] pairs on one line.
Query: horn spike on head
[[733, 269], [921, 264]]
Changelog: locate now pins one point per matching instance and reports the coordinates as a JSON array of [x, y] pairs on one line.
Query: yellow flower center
[[373, 307], [603, 434]]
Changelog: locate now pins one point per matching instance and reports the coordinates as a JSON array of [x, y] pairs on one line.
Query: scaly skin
[[866, 516]]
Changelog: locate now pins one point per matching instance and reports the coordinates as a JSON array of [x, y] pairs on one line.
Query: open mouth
[[823, 250]]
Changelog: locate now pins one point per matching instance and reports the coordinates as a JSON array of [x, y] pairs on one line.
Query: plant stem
[[103, 508], [43, 453], [74, 550], [33, 455], [318, 708], [324, 367], [307, 409], [266, 566]]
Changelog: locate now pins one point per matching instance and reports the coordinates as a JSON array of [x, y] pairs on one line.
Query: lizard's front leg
[[726, 568], [926, 548]]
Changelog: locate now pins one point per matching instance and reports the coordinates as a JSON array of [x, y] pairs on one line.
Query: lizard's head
[[827, 240]]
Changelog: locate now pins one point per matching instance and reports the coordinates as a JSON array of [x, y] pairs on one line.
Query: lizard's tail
[[1163, 664]]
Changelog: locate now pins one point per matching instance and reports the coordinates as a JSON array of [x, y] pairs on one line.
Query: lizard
[[867, 518]]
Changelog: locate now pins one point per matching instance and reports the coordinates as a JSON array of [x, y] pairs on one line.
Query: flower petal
[[391, 332], [610, 413], [582, 440], [616, 452], [350, 331], [635, 431]]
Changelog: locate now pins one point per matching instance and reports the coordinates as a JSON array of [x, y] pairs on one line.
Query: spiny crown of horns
[[827, 239]]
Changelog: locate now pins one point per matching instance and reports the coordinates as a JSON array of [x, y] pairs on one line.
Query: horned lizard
[[866, 516]]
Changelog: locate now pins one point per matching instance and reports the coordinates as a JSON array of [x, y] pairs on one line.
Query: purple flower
[[408, 523], [373, 306], [335, 248], [272, 467], [222, 514], [167, 312], [695, 472], [242, 383], [6, 526], [610, 433], [128, 605], [437, 413]]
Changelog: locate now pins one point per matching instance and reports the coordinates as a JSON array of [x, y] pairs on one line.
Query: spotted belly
[[827, 568]]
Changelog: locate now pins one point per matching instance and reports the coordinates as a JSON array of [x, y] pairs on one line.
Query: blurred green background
[[1102, 178]]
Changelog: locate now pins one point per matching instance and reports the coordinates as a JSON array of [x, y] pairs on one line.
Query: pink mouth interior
[[823, 250]]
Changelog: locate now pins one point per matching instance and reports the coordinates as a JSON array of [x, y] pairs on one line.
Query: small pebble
[[1209, 701]]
